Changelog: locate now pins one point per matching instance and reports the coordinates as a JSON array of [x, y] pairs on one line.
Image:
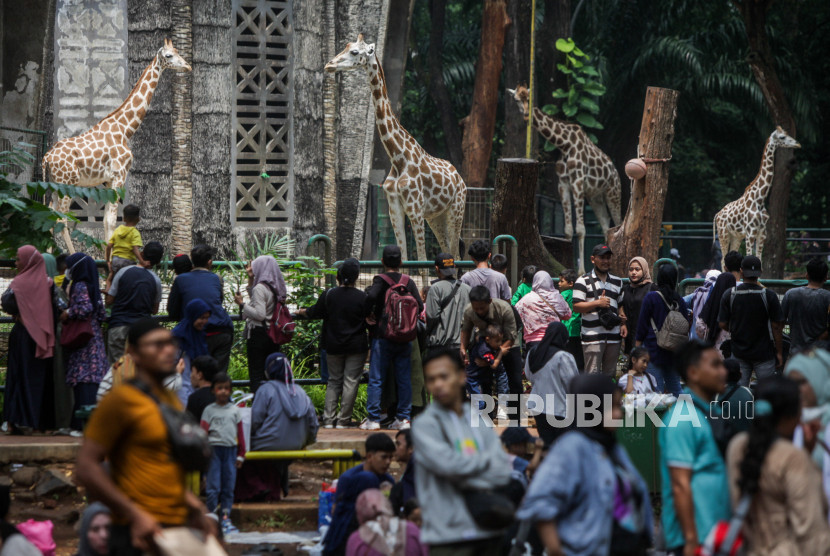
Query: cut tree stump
[[514, 211], [639, 233]]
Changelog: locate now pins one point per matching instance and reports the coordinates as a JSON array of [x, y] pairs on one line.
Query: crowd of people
[[756, 448]]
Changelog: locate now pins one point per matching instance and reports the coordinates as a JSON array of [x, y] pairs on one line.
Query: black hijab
[[667, 283], [709, 313], [348, 272], [598, 385], [555, 339]]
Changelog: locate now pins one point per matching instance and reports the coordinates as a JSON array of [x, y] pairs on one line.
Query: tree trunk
[[437, 88], [762, 63], [181, 179], [477, 143], [516, 71], [514, 211], [639, 234], [330, 129]]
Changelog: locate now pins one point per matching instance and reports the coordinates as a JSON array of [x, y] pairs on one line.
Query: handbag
[[282, 326], [76, 334], [183, 541], [492, 509]]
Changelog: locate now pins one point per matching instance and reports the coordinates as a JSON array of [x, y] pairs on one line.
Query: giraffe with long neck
[[102, 154], [746, 217], [420, 186], [584, 172]]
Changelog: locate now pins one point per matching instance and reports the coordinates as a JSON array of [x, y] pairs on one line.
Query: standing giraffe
[[747, 217], [102, 155], [584, 172], [419, 186]]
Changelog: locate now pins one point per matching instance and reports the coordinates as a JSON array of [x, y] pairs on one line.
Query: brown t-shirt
[[501, 313]]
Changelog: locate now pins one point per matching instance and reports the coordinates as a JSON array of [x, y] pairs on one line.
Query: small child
[[60, 261], [637, 380], [223, 423], [202, 371], [486, 363], [182, 264], [412, 512], [123, 247], [574, 324], [499, 263], [525, 287], [515, 440]]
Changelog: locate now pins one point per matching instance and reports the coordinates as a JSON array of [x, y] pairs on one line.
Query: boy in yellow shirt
[[123, 248]]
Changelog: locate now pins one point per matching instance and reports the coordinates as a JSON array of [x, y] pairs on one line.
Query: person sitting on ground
[[550, 369], [202, 371], [499, 263], [123, 246], [542, 306], [404, 489], [735, 402], [483, 275], [526, 285], [516, 440], [182, 264], [486, 364], [222, 421], [380, 532], [373, 472], [574, 324], [412, 512], [94, 532], [190, 332], [282, 418], [636, 380], [806, 308], [787, 514]]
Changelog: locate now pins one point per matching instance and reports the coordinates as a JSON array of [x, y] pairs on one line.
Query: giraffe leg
[[457, 223], [565, 198], [601, 212], [579, 207], [418, 230], [111, 210], [398, 218], [613, 197], [63, 206], [441, 228]]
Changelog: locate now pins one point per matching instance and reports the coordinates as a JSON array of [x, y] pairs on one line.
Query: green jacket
[[521, 291], [573, 324]]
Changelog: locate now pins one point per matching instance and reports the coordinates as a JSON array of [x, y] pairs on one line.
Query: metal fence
[[32, 141]]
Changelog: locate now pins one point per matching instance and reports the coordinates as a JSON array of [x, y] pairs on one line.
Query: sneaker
[[399, 425], [328, 426], [341, 427], [228, 528], [368, 425], [501, 414]]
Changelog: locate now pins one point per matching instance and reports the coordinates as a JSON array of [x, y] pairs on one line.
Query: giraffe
[[419, 186], [584, 172], [102, 154], [747, 217]]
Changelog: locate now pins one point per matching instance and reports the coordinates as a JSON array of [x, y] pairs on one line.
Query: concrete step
[[289, 514]]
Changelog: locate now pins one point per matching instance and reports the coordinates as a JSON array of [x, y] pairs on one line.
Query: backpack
[[282, 326], [674, 333], [734, 292], [399, 322]]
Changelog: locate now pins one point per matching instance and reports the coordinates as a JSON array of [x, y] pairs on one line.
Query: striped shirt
[[589, 288]]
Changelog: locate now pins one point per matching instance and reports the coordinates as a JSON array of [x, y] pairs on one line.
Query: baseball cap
[[446, 264], [751, 266], [601, 249], [516, 435], [391, 256]]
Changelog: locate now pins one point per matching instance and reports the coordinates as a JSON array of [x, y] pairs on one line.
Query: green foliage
[[579, 100], [25, 219]]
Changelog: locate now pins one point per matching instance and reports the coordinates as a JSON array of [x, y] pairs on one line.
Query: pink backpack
[[39, 533], [400, 312]]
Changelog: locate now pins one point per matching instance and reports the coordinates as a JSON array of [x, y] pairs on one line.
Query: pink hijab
[[379, 529], [267, 271], [32, 289]]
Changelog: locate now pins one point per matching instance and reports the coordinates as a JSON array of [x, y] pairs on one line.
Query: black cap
[[516, 435], [601, 249], [446, 264], [751, 266], [391, 256]]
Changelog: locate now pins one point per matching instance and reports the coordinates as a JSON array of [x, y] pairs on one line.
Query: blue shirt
[[690, 446], [199, 284], [654, 308]]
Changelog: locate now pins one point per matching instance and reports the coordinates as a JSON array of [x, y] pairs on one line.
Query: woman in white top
[[266, 288], [636, 380]]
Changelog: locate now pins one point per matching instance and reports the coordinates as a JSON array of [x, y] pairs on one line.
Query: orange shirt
[[128, 424]]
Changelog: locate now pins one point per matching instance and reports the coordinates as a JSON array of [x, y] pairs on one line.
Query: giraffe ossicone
[[419, 186], [747, 217], [102, 154], [584, 172]]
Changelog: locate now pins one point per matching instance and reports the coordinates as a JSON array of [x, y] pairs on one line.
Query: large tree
[[182, 178], [516, 71], [437, 87]]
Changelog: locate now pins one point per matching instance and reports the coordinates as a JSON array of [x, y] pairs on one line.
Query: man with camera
[[595, 296]]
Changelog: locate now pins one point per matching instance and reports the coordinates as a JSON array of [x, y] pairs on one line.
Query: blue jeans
[[221, 479], [763, 369], [666, 379], [480, 381], [385, 353]]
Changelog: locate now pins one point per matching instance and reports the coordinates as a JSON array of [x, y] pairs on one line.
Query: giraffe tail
[[714, 229]]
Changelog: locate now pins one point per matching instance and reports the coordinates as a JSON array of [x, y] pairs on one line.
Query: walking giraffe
[[747, 217], [584, 172], [419, 186], [102, 155]]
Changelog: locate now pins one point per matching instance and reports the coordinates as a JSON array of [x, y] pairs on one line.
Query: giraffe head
[[522, 96], [357, 54], [169, 58], [779, 138]]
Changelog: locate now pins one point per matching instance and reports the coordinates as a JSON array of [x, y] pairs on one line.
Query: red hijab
[[32, 289]]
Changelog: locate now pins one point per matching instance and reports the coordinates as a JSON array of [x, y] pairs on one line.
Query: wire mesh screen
[[30, 140]]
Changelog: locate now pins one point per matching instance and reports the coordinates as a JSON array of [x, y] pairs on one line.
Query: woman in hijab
[[709, 314], [29, 300], [542, 306], [87, 365], [380, 532], [62, 391], [344, 340], [282, 418], [697, 299], [266, 289], [95, 531], [633, 293], [653, 314], [344, 516], [550, 368], [190, 332], [585, 474]]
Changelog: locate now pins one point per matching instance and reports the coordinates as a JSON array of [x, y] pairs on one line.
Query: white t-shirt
[[642, 383]]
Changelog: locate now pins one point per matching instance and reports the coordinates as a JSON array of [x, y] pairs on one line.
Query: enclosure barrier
[[319, 239], [498, 242]]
